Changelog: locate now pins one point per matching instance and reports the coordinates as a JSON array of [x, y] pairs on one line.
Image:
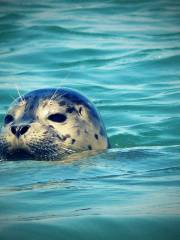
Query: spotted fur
[[60, 122]]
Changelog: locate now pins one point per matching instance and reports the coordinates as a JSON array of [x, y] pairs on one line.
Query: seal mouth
[[19, 154]]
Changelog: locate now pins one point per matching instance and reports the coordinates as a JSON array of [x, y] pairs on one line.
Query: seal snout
[[19, 130]]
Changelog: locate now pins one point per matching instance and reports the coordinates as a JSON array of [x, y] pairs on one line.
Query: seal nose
[[19, 130]]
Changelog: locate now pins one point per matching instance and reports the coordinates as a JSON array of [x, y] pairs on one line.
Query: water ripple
[[125, 57]]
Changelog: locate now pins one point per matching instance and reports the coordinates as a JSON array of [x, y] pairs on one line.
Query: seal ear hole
[[82, 111], [8, 119], [57, 117], [96, 136]]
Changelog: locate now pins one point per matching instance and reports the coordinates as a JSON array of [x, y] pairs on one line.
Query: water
[[124, 56]]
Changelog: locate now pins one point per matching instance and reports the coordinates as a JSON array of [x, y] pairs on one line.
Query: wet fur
[[45, 140]]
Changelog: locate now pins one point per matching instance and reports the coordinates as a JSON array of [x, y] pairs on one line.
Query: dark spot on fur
[[45, 104], [64, 137], [85, 131], [73, 141], [78, 132], [70, 109], [89, 147], [62, 103], [96, 136], [50, 126]]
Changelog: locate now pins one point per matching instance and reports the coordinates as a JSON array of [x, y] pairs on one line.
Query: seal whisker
[[68, 150], [13, 98], [21, 97], [53, 95]]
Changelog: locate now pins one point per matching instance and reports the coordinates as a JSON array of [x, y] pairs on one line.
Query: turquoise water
[[124, 56]]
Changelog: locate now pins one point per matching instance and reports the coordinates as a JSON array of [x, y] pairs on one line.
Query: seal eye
[[8, 118], [57, 117]]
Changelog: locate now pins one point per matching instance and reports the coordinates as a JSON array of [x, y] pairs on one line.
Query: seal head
[[48, 124]]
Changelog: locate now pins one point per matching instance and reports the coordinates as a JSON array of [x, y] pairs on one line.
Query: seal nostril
[[24, 129], [19, 130], [13, 129]]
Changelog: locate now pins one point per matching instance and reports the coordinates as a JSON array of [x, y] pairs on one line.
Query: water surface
[[124, 56]]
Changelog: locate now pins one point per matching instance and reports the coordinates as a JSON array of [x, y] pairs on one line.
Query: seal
[[48, 124]]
